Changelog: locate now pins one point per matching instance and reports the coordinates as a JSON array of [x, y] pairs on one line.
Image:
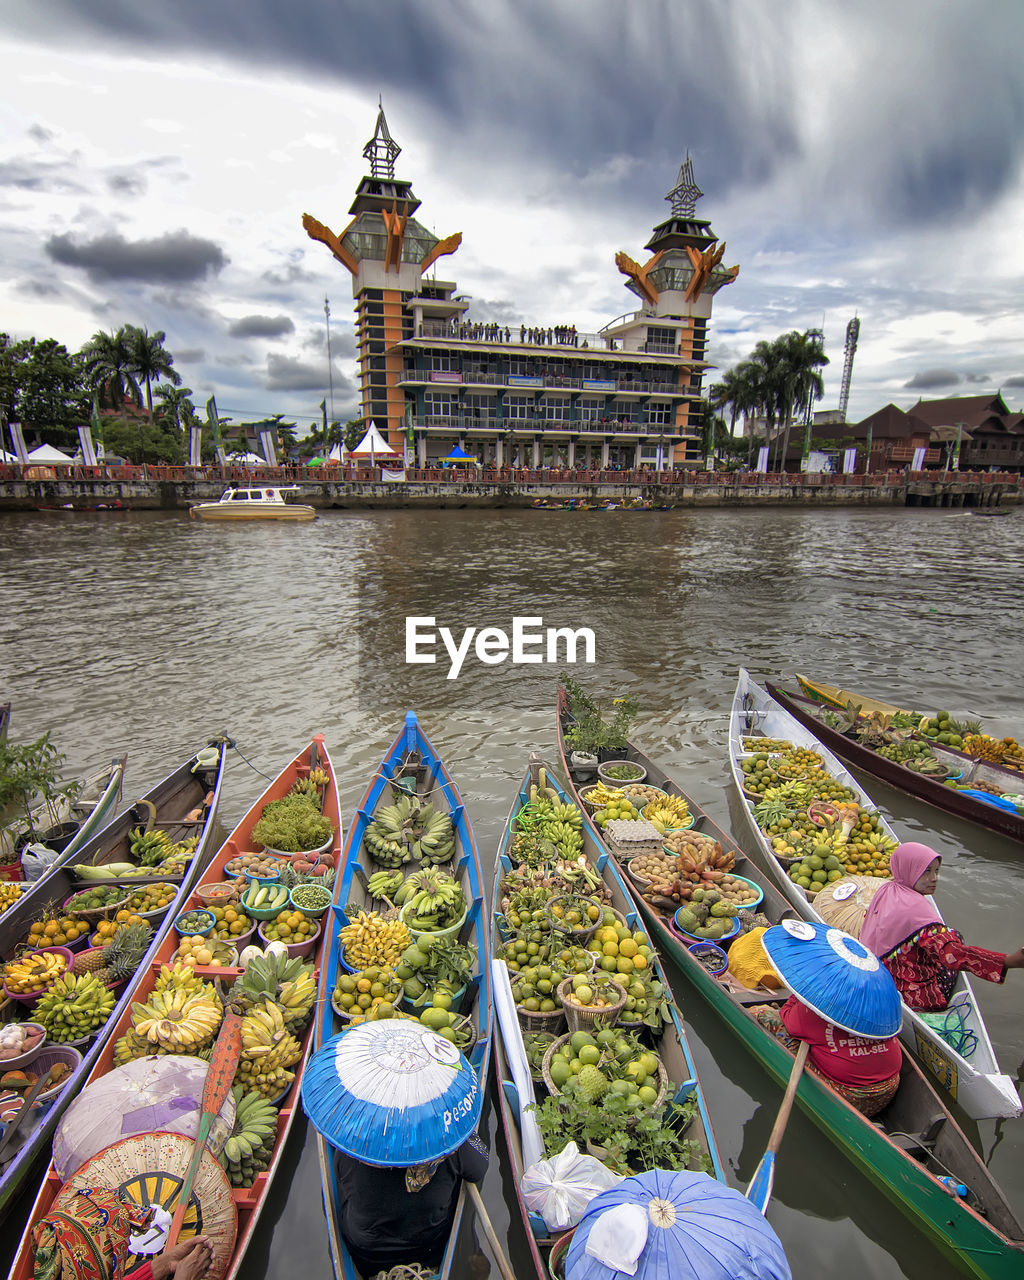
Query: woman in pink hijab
[[903, 928]]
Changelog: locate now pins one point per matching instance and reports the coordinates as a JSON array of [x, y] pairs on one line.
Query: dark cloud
[[261, 327], [38, 288], [190, 355], [40, 133], [175, 258], [291, 273], [984, 379], [1016, 381], [287, 373], [39, 175], [932, 379], [127, 184]]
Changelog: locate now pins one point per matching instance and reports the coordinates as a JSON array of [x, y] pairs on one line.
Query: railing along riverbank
[[159, 486]]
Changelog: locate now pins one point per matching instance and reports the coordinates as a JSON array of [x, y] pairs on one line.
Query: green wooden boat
[[908, 1149]]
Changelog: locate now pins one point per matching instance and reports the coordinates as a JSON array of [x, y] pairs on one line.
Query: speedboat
[[253, 504]]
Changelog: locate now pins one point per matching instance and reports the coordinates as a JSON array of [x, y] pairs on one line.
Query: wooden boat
[[989, 511], [247, 1201], [183, 790], [5, 718], [910, 1148], [410, 767], [253, 504], [975, 1083], [73, 820], [995, 815], [671, 1045], [833, 696]]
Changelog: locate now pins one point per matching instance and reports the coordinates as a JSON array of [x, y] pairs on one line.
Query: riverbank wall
[[174, 488]]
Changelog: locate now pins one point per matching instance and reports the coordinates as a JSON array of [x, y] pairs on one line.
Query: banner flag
[[18, 442], [195, 444], [214, 421], [918, 463], [849, 461], [85, 441], [266, 435], [762, 459]]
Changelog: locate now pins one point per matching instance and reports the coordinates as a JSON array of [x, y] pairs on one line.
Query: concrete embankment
[[169, 488]]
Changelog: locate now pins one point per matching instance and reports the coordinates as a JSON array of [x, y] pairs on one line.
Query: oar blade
[[760, 1190]]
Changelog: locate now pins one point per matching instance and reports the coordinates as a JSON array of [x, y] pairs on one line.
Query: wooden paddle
[[760, 1189], [504, 1266], [26, 1106], [223, 1065]]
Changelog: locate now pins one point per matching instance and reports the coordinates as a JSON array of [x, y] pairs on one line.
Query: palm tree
[[150, 359], [800, 356], [176, 404], [109, 365]]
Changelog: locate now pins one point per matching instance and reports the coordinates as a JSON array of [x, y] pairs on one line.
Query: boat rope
[[250, 763]]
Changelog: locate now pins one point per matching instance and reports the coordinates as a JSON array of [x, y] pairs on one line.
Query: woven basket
[[578, 934], [553, 1020], [847, 914], [581, 1018], [93, 915], [554, 1090], [556, 1258]]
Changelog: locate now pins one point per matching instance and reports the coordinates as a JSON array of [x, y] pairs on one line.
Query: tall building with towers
[[533, 394]]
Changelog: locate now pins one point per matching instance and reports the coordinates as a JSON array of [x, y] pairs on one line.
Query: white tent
[[49, 456], [373, 443], [247, 459], [7, 457], [335, 454]]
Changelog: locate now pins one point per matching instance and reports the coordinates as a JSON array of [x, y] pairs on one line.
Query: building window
[[658, 413], [480, 407], [591, 410], [660, 338], [555, 408], [441, 404], [444, 362], [518, 407]]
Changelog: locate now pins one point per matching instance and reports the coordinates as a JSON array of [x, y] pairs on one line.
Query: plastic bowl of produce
[[311, 899], [30, 997], [710, 956], [195, 921], [727, 936], [36, 1033]]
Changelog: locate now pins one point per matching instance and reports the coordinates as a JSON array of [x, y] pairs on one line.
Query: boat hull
[[411, 754], [181, 786], [224, 512], [248, 1201], [963, 1234], [975, 1084]]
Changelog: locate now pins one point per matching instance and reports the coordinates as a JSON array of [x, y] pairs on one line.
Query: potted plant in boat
[[294, 825], [613, 744], [28, 775], [591, 733]]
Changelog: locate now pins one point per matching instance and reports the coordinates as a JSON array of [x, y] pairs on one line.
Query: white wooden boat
[[975, 1083], [254, 504]]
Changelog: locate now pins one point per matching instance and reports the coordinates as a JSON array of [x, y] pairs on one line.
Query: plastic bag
[[617, 1237], [36, 859], [748, 961], [561, 1188]]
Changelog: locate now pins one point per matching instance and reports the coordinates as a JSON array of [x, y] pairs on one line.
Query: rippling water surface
[[148, 633]]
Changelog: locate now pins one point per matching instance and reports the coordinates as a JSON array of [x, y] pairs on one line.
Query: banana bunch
[[268, 1049], [383, 885], [668, 812], [177, 1021], [10, 892], [34, 972], [566, 835], [433, 837], [249, 1149], [149, 847], [286, 980], [179, 856], [435, 901], [384, 845], [602, 795], [74, 1006], [180, 976], [370, 940]]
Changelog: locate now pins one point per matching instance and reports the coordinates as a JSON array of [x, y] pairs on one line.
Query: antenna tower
[[852, 333]]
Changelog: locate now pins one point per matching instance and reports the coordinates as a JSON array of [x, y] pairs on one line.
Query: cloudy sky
[[864, 158]]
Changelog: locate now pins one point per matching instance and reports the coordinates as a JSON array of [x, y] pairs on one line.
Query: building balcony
[[463, 425], [545, 381]]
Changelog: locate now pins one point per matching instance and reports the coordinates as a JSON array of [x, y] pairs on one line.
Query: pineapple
[[121, 957], [92, 961]]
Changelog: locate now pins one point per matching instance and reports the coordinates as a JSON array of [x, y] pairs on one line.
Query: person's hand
[[186, 1260], [1015, 960]]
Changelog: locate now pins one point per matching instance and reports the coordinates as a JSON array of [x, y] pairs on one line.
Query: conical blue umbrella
[[696, 1229], [391, 1093], [836, 976]]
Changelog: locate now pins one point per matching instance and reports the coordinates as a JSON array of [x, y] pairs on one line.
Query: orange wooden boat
[[248, 1201]]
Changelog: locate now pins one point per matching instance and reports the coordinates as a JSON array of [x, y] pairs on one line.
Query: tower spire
[[685, 194], [382, 150]]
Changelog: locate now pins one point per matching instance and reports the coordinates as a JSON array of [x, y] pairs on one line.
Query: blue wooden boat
[[185, 790], [410, 767], [670, 1045]]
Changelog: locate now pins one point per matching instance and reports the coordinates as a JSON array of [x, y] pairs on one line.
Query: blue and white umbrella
[[391, 1093], [686, 1226], [836, 976]]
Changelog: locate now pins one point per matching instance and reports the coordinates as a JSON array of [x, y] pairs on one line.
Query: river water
[[149, 633]]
